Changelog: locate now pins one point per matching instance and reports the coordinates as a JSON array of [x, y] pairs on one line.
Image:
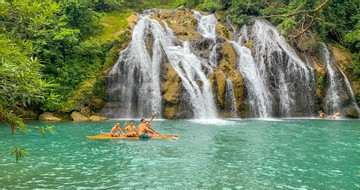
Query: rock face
[[76, 116], [48, 116], [344, 60], [222, 54], [228, 66], [171, 94], [182, 22], [97, 118], [351, 112]]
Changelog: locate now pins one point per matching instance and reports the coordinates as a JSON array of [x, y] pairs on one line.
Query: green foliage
[[319, 81], [19, 153], [80, 16], [140, 5], [244, 12], [226, 32], [357, 97], [210, 6], [287, 25]]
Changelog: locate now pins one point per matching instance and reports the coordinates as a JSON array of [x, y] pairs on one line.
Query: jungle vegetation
[[54, 50]]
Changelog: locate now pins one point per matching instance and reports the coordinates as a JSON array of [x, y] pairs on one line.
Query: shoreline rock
[[76, 116], [97, 118], [48, 116]]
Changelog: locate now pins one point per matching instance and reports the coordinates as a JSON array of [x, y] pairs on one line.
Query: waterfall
[[349, 89], [134, 81], [206, 28], [273, 73], [332, 97], [333, 100], [259, 96], [277, 83], [206, 25], [230, 97]]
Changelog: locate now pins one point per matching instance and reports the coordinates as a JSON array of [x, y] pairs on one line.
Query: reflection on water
[[234, 154]]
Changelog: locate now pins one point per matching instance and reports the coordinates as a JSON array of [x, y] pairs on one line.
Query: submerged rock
[[48, 116], [76, 116]]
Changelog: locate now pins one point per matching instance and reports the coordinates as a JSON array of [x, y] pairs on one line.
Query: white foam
[[212, 121]]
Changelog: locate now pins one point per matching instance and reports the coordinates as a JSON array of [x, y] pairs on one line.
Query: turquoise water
[[239, 154]]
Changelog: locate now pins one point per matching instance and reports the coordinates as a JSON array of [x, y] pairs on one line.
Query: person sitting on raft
[[130, 129], [321, 114], [114, 131], [143, 129]]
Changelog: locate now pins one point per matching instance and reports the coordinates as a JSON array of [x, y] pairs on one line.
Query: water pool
[[224, 154]]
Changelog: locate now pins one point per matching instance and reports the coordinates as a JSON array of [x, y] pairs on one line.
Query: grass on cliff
[[110, 26]]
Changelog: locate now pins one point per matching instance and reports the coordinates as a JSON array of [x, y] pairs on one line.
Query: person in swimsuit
[[144, 131], [130, 129], [115, 129]]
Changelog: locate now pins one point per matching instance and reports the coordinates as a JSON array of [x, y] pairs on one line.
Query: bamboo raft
[[107, 136]]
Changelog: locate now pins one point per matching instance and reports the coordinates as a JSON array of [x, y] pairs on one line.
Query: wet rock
[[76, 116], [351, 112], [218, 82], [132, 19], [172, 86], [228, 66], [344, 60], [172, 112], [171, 94], [223, 31], [182, 22], [97, 118], [48, 116]]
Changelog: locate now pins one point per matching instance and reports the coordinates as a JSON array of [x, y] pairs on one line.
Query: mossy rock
[[48, 116], [154, 17], [76, 116], [220, 87], [97, 118], [228, 66], [223, 31], [172, 111], [320, 77], [172, 86], [182, 22], [344, 60]]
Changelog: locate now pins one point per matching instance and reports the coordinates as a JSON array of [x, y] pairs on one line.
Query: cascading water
[[258, 95], [273, 73], [277, 83], [189, 68], [206, 28], [134, 81], [349, 89], [230, 97], [333, 98]]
